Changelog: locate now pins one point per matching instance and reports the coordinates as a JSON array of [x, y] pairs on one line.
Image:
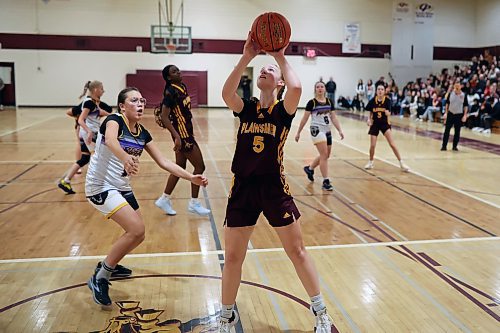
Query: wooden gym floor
[[396, 252]]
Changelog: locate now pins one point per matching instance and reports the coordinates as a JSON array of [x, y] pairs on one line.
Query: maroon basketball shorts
[[260, 194], [377, 127], [187, 144]]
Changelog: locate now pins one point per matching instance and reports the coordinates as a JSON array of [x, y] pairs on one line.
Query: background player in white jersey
[[120, 142], [322, 113], [88, 120]]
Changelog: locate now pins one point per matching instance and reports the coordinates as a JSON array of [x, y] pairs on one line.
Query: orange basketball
[[271, 31]]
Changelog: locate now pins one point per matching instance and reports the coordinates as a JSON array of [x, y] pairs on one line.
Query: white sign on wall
[[352, 38]]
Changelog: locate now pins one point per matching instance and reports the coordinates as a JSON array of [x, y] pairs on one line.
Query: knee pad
[[83, 160]]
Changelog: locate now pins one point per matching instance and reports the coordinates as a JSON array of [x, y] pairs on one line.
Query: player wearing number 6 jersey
[[321, 111], [259, 184]]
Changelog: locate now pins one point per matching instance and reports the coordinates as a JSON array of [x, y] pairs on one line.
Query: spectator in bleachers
[[407, 88], [331, 87], [432, 109], [395, 99], [490, 90], [370, 89], [414, 103], [405, 104], [481, 84], [344, 103], [492, 73], [357, 103], [361, 89], [482, 61], [475, 64], [472, 96], [472, 121]]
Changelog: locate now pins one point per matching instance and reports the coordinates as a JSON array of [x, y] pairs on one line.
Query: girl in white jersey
[[120, 142], [322, 113], [88, 121]]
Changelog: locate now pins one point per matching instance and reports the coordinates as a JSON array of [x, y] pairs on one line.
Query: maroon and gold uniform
[[259, 183], [177, 99], [377, 109]]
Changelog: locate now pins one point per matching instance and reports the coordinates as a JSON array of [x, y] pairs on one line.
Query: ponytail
[[85, 88], [165, 73], [280, 93]]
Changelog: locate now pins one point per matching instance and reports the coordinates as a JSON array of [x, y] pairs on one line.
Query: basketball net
[[171, 48]]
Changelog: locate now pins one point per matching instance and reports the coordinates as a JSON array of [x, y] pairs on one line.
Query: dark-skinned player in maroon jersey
[[380, 110], [176, 117], [259, 184]]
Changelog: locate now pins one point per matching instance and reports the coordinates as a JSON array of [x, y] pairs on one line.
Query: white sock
[[194, 200], [67, 180], [227, 311], [317, 303], [104, 272], [166, 196]]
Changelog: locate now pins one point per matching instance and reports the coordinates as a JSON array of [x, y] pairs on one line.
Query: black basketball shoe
[[119, 271]]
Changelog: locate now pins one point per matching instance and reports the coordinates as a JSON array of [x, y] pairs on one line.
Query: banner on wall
[[424, 12], [423, 34], [401, 11], [352, 38]]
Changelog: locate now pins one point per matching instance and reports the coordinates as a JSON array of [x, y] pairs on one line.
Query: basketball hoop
[[171, 48]]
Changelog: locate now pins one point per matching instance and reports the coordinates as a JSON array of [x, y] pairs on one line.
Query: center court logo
[[134, 319]]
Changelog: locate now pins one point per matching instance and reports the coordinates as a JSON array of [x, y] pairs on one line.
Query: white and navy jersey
[[92, 120], [320, 113], [106, 171]]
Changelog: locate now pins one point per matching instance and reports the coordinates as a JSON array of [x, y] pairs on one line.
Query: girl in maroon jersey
[[259, 184], [378, 120], [176, 117]]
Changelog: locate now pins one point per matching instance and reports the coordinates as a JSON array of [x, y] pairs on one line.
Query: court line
[[409, 253], [422, 291], [28, 126], [461, 219], [211, 277], [278, 249], [18, 175], [424, 176], [451, 283], [239, 326]]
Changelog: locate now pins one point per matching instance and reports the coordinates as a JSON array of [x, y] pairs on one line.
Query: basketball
[[271, 31]]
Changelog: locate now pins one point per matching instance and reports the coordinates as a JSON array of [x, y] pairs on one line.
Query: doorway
[[8, 97]]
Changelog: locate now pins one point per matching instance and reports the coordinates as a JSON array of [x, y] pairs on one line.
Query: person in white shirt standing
[[455, 114]]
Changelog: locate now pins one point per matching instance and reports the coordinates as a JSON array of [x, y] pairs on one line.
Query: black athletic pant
[[452, 120]]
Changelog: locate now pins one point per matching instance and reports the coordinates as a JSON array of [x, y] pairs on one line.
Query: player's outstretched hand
[[199, 180]]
